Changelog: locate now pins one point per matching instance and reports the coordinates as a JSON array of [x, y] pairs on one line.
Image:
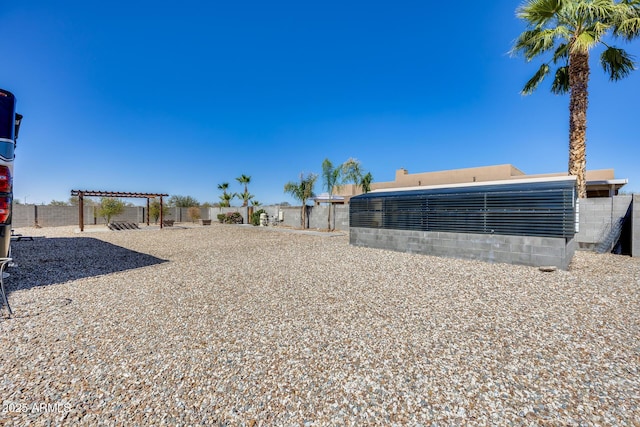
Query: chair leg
[[4, 293], [5, 261]]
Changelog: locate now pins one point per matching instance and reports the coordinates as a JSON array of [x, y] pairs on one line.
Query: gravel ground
[[228, 325]]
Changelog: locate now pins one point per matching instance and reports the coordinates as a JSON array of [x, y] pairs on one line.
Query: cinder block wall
[[214, 212], [523, 250], [597, 216], [131, 214], [318, 216], [24, 216]]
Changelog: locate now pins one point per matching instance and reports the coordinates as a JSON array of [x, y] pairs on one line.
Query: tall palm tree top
[[567, 27], [568, 30], [223, 186], [244, 179]]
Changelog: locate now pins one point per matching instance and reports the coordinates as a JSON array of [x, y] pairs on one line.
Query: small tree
[[182, 201], [110, 207], [331, 177], [154, 210], [302, 191], [194, 213], [87, 201], [365, 182]]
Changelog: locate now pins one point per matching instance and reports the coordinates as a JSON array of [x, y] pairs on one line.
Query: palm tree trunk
[[578, 102]]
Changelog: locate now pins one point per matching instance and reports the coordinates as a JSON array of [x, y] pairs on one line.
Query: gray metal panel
[[532, 209]]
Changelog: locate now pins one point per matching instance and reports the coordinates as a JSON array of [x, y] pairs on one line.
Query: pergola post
[[161, 216], [148, 204], [81, 210], [81, 193]]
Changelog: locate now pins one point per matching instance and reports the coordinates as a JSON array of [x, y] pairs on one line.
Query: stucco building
[[600, 183]]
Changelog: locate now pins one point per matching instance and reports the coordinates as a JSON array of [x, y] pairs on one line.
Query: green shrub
[[255, 217], [221, 218], [233, 218]]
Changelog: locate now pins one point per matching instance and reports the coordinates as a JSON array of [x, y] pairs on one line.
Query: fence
[[596, 217], [55, 216]]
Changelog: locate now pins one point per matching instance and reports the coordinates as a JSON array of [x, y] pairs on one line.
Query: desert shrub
[[110, 208], [194, 213], [230, 218], [233, 218], [255, 217]]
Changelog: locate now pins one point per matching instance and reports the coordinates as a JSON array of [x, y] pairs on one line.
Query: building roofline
[[479, 183]]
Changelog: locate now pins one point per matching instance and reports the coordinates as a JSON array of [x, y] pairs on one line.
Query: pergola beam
[[90, 193]]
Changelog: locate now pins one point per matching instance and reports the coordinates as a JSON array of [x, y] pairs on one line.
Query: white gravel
[[234, 325]]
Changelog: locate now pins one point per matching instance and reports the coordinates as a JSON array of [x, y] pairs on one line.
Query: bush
[[194, 213], [234, 218], [110, 208], [231, 218], [255, 217]]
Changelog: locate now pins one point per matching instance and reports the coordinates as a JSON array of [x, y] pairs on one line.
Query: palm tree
[[352, 171], [302, 191], [244, 179], [330, 176], [568, 30], [225, 199], [365, 182], [246, 197]]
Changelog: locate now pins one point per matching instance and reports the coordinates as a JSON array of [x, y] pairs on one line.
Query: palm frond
[[617, 63], [560, 84], [583, 42], [537, 78], [539, 12], [628, 28], [534, 42], [593, 11], [561, 53]]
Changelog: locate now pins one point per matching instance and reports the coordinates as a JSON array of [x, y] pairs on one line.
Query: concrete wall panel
[[524, 250]]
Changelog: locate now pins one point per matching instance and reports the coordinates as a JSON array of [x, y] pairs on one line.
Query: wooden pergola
[[82, 193]]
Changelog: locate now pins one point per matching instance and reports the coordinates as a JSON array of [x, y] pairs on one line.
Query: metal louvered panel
[[541, 208]]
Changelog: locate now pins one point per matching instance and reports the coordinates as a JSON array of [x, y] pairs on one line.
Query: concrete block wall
[[53, 216], [597, 216], [244, 211], [131, 214], [317, 216], [49, 216], [523, 250], [182, 214], [24, 216]]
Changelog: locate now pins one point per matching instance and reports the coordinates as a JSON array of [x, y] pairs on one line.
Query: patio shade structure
[[82, 193]]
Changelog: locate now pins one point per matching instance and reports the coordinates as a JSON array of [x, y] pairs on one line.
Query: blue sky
[[177, 97]]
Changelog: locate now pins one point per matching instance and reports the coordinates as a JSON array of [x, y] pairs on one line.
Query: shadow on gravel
[[49, 261]]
